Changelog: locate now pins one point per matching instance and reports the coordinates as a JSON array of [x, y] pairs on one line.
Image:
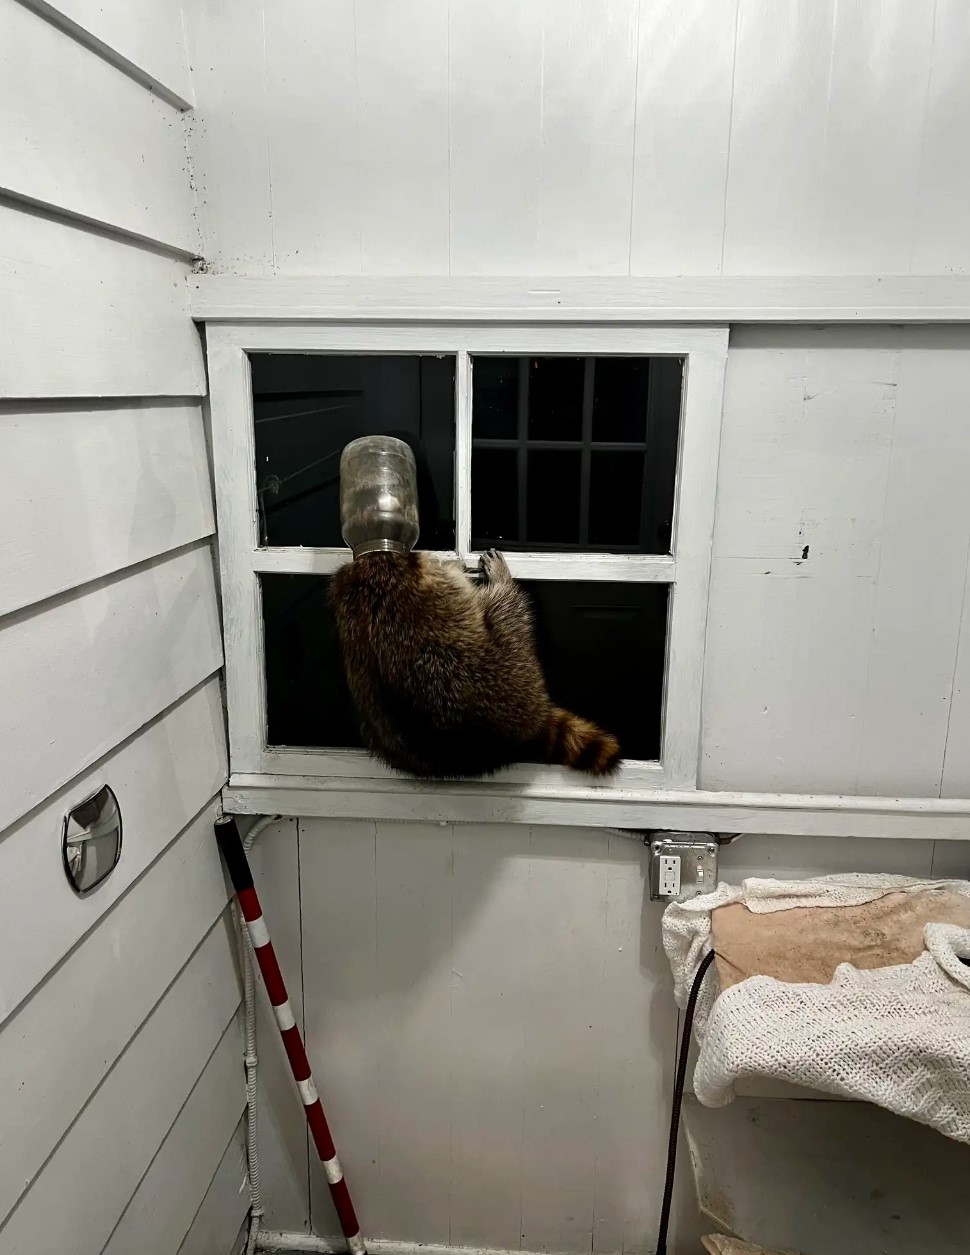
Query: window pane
[[620, 398], [603, 649], [308, 406], [553, 505], [615, 499], [495, 388], [307, 702], [556, 398], [495, 497], [596, 452], [602, 646]]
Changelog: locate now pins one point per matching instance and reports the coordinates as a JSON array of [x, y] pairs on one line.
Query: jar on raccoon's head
[[378, 495]]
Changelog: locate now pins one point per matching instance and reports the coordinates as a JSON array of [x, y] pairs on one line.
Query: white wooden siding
[[83, 316], [110, 981], [585, 136], [145, 39], [164, 779], [117, 1113], [81, 136], [490, 1021], [87, 671], [840, 556], [78, 1198], [168, 1196], [956, 765], [224, 1207], [119, 484]]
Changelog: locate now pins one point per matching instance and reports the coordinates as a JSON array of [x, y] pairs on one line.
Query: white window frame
[[686, 570]]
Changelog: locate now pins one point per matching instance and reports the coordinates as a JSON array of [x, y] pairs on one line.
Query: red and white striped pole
[[237, 865]]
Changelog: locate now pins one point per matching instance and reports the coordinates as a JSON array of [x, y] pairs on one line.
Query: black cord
[[678, 1102]]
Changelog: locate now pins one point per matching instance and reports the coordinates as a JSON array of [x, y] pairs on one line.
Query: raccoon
[[444, 674]]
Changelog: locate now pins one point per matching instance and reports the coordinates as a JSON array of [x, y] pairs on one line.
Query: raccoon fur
[[444, 674]]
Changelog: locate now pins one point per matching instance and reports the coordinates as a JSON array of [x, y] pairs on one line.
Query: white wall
[[838, 645], [490, 1018], [651, 137], [487, 1010], [120, 1059]]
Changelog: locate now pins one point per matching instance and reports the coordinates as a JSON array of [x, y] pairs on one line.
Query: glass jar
[[378, 495]]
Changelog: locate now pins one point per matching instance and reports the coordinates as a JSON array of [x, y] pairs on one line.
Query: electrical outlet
[[682, 865], [669, 875]]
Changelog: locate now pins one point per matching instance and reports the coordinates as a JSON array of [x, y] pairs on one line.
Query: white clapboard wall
[[120, 1057], [596, 137], [490, 1019]]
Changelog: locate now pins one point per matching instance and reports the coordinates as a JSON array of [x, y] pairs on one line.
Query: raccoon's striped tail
[[577, 743]]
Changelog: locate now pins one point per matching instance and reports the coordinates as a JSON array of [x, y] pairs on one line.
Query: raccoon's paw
[[493, 568]]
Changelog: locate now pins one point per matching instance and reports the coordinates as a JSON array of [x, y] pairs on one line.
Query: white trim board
[[772, 814], [715, 299]]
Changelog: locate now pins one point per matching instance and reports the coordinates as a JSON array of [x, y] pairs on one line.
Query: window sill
[[582, 805]]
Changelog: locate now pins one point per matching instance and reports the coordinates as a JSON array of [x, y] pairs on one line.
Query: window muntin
[[574, 454]]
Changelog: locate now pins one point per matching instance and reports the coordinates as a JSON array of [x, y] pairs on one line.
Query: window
[[586, 453]]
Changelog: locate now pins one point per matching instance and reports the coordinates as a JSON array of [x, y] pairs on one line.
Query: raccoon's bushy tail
[[577, 743]]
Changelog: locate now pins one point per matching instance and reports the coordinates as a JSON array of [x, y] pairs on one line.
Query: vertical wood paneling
[[228, 134], [491, 989], [283, 1170], [797, 858], [924, 552], [496, 138], [956, 757], [414, 941], [344, 1030], [805, 451], [403, 138], [782, 136], [758, 1160], [500, 1014], [841, 548], [637, 1023], [514, 981], [941, 242], [685, 81], [314, 135], [868, 180], [565, 961], [120, 484], [781, 79], [588, 112]]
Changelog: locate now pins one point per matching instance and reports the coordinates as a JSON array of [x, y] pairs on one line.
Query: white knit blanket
[[898, 1037]]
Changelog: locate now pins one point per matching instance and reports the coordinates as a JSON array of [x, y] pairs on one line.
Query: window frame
[[686, 569]]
